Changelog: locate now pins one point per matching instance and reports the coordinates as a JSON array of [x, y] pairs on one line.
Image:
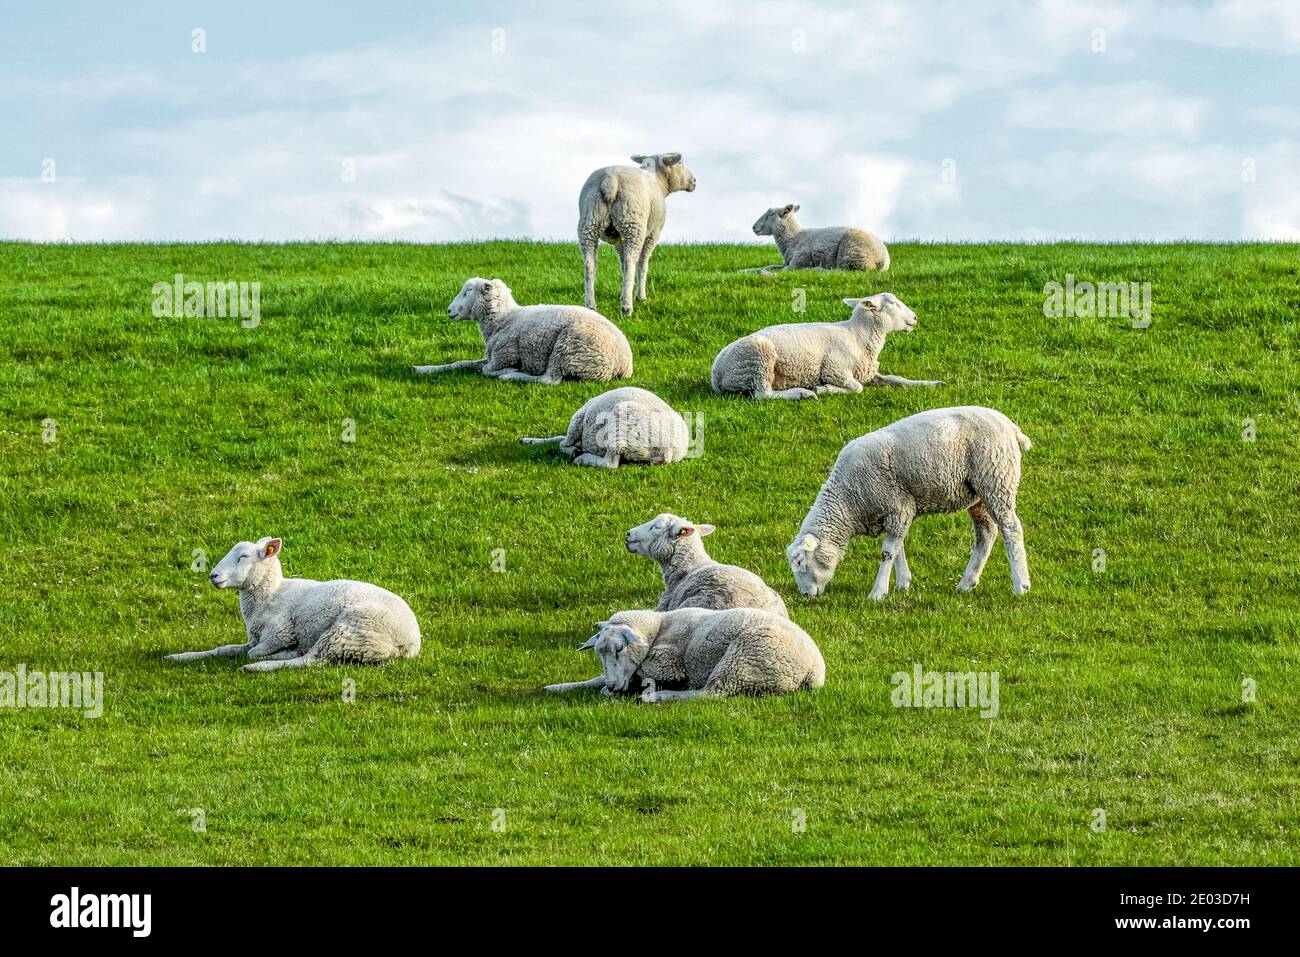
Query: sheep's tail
[[552, 439], [609, 189], [1023, 440]]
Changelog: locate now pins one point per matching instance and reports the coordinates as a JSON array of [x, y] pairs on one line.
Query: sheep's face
[[663, 535], [886, 309], [476, 299], [243, 563], [770, 221], [813, 563], [680, 179], [621, 651]]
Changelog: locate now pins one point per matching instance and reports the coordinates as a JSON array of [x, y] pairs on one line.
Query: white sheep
[[624, 205], [803, 360], [292, 622], [691, 578], [696, 652], [623, 425], [943, 460], [537, 343], [831, 247]]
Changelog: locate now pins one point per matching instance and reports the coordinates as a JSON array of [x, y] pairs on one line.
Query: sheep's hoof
[[1020, 590], [876, 596], [964, 585]]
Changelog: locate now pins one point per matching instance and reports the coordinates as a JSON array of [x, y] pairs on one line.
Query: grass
[[1120, 690]]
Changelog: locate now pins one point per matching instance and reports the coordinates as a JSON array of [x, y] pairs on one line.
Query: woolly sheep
[[691, 578], [698, 652], [292, 622], [623, 425], [943, 460], [624, 205], [537, 343], [803, 360], [832, 247]]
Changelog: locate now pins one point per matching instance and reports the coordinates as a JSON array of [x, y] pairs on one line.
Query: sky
[[436, 121]]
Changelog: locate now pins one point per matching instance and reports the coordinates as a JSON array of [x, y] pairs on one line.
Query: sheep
[[624, 205], [832, 247], [691, 578], [943, 460], [537, 343], [698, 652], [803, 360], [292, 622], [623, 425]]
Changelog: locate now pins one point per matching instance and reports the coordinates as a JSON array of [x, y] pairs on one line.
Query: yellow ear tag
[[809, 543]]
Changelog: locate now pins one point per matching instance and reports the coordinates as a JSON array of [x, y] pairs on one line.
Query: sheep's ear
[[671, 159], [788, 210], [852, 302], [630, 636], [589, 643], [639, 159], [685, 530], [272, 548], [706, 529], [809, 543]]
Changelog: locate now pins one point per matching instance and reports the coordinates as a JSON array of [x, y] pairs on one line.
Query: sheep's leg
[[643, 270], [551, 441], [515, 375], [902, 574], [219, 651], [786, 394], [276, 663], [462, 364], [898, 380], [596, 682], [892, 547], [847, 384], [656, 697], [629, 253], [608, 461], [1013, 534], [589, 252], [986, 533]]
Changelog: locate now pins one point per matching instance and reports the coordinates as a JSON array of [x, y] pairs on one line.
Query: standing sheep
[[537, 343], [695, 652], [691, 578], [624, 205], [292, 622], [803, 360], [623, 425], [943, 460], [832, 247]]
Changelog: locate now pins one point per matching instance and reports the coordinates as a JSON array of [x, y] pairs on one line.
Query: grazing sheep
[[691, 578], [623, 425], [943, 460], [624, 205], [293, 622], [537, 343], [803, 360], [696, 652], [832, 247]]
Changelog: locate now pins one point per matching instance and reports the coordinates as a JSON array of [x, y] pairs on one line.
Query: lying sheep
[[624, 205], [623, 425], [691, 578], [537, 343], [943, 460], [803, 360], [293, 622], [695, 652], [832, 247]]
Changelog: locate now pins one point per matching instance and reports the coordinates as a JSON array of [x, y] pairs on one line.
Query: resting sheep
[[691, 578], [803, 360], [537, 343], [624, 205], [832, 247], [292, 622], [695, 652], [943, 460], [623, 425]]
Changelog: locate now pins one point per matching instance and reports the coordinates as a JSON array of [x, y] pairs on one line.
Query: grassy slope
[[1119, 690]]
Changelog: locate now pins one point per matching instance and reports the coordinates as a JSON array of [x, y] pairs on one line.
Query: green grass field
[[1120, 690]]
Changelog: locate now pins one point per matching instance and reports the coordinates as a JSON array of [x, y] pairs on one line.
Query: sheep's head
[[774, 220], [884, 308], [244, 563], [478, 299], [621, 649], [671, 167], [665, 536], [813, 563]]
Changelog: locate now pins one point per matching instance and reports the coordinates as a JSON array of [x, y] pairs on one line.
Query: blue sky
[[1034, 120]]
